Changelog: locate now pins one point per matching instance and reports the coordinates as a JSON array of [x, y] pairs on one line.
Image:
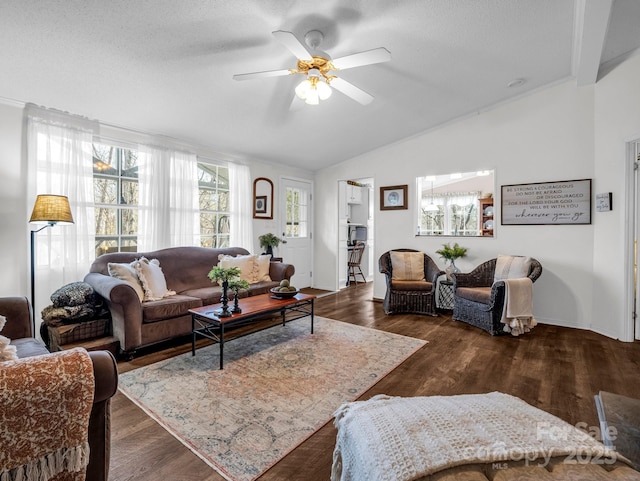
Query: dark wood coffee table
[[205, 323]]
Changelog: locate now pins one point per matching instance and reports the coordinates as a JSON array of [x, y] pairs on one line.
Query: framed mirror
[[459, 204], [262, 198]]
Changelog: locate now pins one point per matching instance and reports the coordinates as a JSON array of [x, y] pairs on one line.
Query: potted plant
[[451, 253], [225, 275], [268, 241], [235, 285]]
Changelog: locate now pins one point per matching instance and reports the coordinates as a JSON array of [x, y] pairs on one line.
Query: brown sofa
[[139, 324], [19, 328]]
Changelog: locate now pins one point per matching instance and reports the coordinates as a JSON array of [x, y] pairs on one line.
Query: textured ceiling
[[166, 66]]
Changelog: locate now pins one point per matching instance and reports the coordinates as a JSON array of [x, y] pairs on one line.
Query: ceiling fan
[[317, 67]]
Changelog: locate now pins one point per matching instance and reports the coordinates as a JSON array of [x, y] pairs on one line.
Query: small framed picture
[[394, 197], [261, 204]]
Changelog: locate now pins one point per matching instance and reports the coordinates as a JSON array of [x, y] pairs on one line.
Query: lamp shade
[[51, 209]]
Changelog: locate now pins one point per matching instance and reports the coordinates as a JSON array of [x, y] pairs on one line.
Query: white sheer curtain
[[168, 208], [241, 207], [60, 161]]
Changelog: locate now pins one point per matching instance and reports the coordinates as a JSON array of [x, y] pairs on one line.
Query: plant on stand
[[450, 254], [224, 275], [235, 285], [268, 241]]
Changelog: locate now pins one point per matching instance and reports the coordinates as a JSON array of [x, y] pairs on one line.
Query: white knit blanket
[[400, 439]]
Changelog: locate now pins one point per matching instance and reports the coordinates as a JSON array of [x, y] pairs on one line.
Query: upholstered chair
[[478, 300], [33, 354], [412, 287]]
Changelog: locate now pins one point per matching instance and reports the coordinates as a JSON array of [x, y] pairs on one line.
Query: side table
[[445, 294]]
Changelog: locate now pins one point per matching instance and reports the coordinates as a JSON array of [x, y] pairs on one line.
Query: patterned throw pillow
[[74, 294], [407, 266]]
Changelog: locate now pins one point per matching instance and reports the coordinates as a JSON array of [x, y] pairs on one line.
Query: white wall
[[14, 214], [617, 122], [554, 134]]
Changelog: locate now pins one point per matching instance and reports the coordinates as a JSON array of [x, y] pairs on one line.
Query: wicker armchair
[[410, 297], [478, 300]]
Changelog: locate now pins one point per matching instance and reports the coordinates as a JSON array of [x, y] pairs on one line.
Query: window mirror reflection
[[458, 204]]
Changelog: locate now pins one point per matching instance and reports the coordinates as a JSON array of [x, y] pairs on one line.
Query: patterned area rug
[[277, 388]]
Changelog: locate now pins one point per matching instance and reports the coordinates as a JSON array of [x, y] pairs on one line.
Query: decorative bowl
[[283, 295]]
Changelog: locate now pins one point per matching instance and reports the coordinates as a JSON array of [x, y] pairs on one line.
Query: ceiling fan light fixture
[[313, 88], [303, 89], [312, 97], [324, 91]]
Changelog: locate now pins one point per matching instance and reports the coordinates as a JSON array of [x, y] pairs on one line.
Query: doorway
[[296, 213], [355, 222], [634, 154]]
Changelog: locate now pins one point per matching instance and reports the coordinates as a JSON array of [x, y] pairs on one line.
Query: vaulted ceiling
[[166, 66]]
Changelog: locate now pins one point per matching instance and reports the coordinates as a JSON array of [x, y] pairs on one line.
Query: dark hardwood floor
[[556, 369]]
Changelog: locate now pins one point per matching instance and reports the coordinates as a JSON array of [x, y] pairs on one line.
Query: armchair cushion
[[511, 267], [407, 266], [475, 294], [412, 285]]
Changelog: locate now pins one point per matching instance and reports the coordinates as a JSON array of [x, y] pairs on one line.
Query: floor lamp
[[50, 209]]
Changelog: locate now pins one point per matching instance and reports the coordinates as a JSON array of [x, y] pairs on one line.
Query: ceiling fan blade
[[377, 55], [352, 91], [268, 73], [290, 41]]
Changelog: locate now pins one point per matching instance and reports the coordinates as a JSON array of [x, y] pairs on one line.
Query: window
[[213, 183], [455, 214], [115, 181], [446, 212], [115, 190], [297, 207]]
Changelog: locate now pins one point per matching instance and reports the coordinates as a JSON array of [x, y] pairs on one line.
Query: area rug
[[277, 388]]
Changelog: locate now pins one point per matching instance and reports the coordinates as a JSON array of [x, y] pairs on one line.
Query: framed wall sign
[[262, 198], [394, 197], [544, 203]]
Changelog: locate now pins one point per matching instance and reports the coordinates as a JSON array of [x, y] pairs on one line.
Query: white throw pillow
[[152, 278], [7, 351], [511, 267], [263, 262], [407, 266], [246, 264], [126, 273]]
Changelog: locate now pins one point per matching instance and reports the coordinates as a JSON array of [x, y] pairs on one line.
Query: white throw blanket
[[517, 313], [399, 439]]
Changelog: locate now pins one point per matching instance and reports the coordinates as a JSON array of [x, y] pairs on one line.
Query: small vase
[[269, 250], [451, 269], [224, 310]]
